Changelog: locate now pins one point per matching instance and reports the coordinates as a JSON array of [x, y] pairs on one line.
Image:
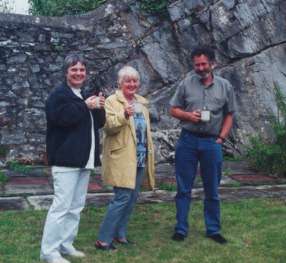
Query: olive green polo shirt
[[218, 98]]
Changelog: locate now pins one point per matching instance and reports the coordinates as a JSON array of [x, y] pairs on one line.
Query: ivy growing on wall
[[62, 7]]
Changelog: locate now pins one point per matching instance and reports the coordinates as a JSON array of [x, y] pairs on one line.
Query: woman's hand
[[128, 111], [91, 102], [95, 102]]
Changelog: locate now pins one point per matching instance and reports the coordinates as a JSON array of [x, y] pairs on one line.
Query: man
[[73, 151], [204, 103]]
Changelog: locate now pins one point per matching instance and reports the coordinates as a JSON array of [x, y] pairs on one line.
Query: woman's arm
[[65, 111], [115, 117]]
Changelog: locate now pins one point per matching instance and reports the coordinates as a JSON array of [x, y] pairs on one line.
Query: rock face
[[249, 37]]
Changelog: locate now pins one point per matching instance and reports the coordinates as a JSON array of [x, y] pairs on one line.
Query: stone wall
[[249, 37]]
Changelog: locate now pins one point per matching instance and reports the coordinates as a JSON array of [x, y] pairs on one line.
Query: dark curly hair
[[203, 50]]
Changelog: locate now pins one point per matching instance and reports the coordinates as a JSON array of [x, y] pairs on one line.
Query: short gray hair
[[127, 71], [72, 59]]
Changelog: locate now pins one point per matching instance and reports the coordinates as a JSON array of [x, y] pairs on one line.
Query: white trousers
[[61, 227]]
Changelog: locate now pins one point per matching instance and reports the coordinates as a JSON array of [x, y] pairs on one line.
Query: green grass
[[255, 229], [167, 186]]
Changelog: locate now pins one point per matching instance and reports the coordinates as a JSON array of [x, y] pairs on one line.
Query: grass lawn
[[256, 230]]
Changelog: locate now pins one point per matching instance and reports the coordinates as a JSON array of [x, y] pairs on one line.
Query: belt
[[200, 134]]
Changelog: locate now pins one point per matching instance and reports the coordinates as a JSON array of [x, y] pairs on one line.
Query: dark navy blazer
[[69, 129]]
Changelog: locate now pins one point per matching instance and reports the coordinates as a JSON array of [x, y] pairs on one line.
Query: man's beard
[[204, 74]]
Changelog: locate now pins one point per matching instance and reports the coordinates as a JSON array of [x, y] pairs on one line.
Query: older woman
[[73, 151], [127, 155]]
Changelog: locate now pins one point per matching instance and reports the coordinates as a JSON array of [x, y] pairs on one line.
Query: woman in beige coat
[[128, 155]]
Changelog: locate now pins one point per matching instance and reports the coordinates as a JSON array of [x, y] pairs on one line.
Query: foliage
[[62, 7], [271, 157], [6, 6], [232, 158], [167, 186], [3, 151], [154, 6], [73, 7], [3, 178], [255, 230], [19, 167]]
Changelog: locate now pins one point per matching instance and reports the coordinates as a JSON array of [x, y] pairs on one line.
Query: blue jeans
[[191, 150], [115, 222]]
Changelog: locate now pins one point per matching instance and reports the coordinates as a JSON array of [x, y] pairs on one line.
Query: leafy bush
[[16, 166], [3, 151], [62, 7], [74, 7], [3, 178], [154, 6], [271, 157], [167, 186]]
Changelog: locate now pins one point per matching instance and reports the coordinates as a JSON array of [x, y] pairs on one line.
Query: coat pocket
[[117, 142], [120, 140]]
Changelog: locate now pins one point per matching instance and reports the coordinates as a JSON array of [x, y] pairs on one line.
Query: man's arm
[[226, 127], [194, 116]]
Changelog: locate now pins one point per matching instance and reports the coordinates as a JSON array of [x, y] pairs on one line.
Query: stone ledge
[[43, 202], [13, 203]]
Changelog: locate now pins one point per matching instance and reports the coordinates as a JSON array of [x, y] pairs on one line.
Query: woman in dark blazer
[[73, 151]]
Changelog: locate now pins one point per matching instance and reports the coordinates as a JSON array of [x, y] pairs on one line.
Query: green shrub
[[3, 151], [3, 178], [74, 7], [167, 186], [154, 6], [19, 167], [62, 7], [270, 157]]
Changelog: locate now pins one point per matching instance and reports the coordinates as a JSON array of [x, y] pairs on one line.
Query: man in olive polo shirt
[[204, 103]]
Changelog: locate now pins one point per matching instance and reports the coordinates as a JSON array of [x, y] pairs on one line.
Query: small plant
[[62, 7], [154, 6], [227, 172], [3, 151], [266, 156], [16, 166], [232, 158], [168, 186], [3, 178]]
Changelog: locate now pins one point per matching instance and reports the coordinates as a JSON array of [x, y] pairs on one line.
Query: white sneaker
[[75, 253]]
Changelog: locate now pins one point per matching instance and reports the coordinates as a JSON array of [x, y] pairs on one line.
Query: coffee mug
[[205, 115], [97, 102]]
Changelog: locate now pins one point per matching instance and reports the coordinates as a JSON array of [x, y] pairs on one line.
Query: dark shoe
[[218, 238], [98, 245], [178, 237], [123, 241]]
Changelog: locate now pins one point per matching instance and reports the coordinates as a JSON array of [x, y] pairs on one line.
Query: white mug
[[97, 102], [205, 115]]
